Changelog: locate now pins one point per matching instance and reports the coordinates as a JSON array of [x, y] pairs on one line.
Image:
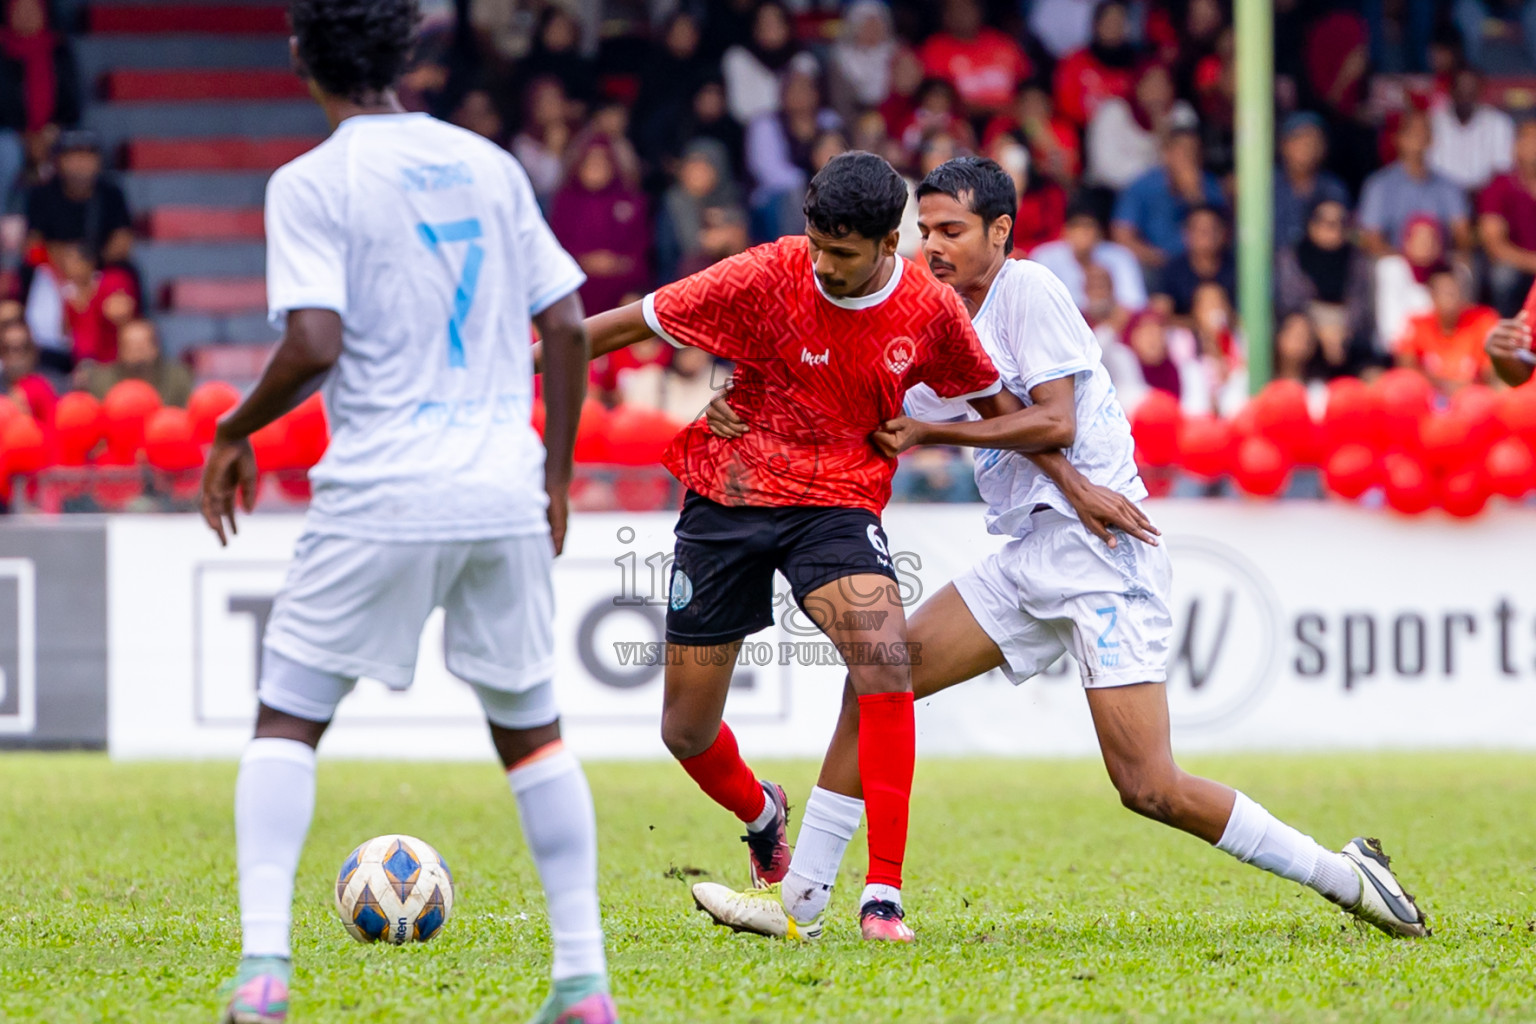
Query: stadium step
[[204, 224], [97, 55], [186, 332], [216, 295], [161, 263], [236, 363], [218, 154], [118, 123], [148, 190], [201, 85], [149, 19]]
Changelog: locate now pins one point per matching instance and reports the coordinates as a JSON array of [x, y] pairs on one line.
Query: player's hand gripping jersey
[[814, 374], [429, 243]]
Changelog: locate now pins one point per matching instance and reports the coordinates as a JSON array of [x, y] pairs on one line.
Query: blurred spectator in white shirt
[[1082, 245], [1473, 141]]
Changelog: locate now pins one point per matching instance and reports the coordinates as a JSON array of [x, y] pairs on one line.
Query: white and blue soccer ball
[[394, 889]]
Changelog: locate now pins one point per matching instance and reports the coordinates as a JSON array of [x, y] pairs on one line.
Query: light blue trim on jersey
[[991, 292], [557, 293], [467, 230]]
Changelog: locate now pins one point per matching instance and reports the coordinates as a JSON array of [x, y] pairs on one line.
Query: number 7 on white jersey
[[468, 230]]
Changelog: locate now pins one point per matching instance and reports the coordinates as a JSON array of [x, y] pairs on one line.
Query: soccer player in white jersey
[[1053, 589], [405, 260]]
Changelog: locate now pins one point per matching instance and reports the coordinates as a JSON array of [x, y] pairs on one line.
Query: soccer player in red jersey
[[828, 332]]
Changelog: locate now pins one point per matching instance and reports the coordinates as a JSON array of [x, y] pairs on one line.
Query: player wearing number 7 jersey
[[405, 261]]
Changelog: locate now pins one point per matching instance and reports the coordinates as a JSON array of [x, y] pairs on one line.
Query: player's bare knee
[[274, 724], [685, 738], [880, 677]]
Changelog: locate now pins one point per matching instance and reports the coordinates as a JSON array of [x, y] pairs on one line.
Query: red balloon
[[9, 411], [308, 434], [1511, 468], [637, 437], [78, 424], [272, 449], [592, 433], [1352, 470], [1516, 412], [1262, 467], [1155, 426], [1478, 407], [169, 443], [1280, 414], [209, 402], [1408, 486], [1464, 494], [24, 446], [1206, 446], [1353, 414], [1446, 441], [128, 405], [1405, 397]]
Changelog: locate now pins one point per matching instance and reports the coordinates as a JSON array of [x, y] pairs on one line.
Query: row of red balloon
[[131, 422], [1386, 434]]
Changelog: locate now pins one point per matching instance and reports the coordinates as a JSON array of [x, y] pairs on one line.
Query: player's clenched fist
[[899, 434]]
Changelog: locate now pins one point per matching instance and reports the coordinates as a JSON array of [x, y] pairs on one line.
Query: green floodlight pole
[[1255, 57]]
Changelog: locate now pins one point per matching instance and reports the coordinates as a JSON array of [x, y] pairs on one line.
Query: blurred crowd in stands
[[663, 136]]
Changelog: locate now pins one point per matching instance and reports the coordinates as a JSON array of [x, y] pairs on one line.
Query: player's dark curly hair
[[979, 183], [856, 193], [354, 47]]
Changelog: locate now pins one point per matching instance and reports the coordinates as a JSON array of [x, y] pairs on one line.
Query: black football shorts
[[721, 587]]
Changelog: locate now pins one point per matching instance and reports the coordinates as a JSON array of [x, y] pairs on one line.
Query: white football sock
[[826, 827], [769, 812], [274, 801], [1254, 836], [888, 893], [558, 823]]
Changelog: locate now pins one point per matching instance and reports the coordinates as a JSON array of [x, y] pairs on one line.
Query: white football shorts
[[355, 608], [1059, 589]]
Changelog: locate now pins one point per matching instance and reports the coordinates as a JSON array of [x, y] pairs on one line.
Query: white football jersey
[[1034, 333], [428, 241]]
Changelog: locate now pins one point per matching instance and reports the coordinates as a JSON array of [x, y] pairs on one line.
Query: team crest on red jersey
[[899, 354]]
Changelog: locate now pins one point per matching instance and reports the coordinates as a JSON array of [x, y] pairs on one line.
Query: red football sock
[[887, 750], [722, 774]]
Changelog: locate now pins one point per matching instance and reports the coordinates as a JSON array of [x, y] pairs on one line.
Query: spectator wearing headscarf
[[1324, 300], [674, 70], [1301, 182], [1105, 67], [541, 142], [755, 72], [1402, 279], [600, 218], [704, 184], [556, 54], [859, 73], [779, 148]]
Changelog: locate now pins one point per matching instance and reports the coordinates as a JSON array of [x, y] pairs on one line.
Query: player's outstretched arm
[[1509, 347], [617, 328], [1050, 424], [565, 359], [310, 346]]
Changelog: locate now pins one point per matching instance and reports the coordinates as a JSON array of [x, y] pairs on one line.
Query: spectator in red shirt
[[95, 302], [1105, 67], [984, 65], [1506, 225], [1446, 344], [19, 378]]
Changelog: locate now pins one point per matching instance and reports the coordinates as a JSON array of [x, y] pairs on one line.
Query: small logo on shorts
[[682, 590], [876, 541], [899, 354]]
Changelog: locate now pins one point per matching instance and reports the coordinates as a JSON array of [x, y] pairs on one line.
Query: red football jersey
[[815, 376]]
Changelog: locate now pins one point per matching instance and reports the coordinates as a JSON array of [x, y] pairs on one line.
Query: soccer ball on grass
[[394, 889]]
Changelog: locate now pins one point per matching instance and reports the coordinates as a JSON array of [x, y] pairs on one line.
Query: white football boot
[[758, 911], [1383, 902]]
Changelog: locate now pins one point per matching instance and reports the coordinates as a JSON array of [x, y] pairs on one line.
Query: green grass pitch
[[1034, 895]]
